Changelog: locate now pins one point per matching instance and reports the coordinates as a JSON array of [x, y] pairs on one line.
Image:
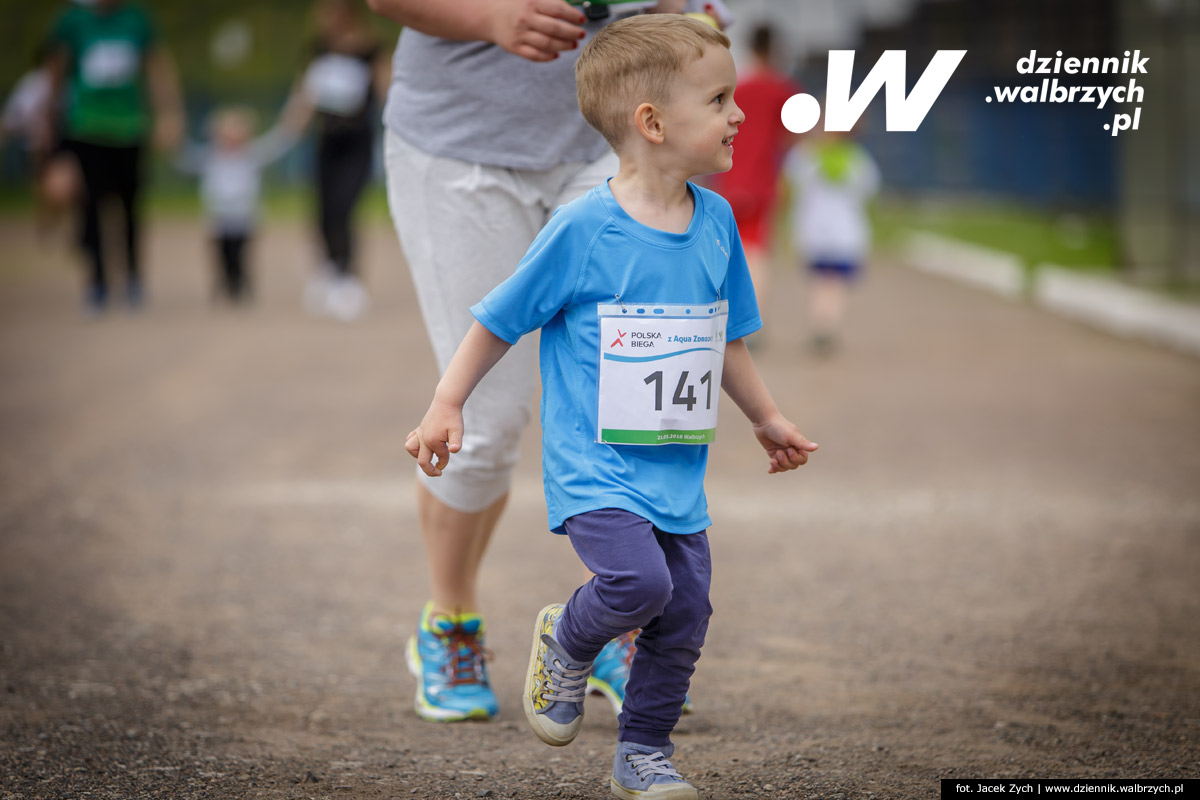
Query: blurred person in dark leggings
[[341, 87], [121, 87]]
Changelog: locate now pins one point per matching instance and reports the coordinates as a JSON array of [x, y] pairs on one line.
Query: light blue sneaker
[[449, 661], [641, 772], [555, 684], [610, 672]]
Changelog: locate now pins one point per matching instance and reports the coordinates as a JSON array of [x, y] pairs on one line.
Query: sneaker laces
[[627, 647], [467, 656], [563, 684], [653, 764]]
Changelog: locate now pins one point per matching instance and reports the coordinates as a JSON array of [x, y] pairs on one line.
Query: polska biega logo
[[842, 108]]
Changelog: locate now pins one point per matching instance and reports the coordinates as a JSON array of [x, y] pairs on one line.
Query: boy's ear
[[649, 123]]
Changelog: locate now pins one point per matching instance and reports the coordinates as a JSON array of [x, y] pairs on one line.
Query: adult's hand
[[670, 7], [168, 131], [537, 30], [534, 29]]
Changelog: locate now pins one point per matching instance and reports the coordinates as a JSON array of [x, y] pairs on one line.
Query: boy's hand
[[441, 432], [784, 443], [438, 435]]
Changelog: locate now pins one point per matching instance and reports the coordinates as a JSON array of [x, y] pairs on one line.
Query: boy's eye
[[719, 98]]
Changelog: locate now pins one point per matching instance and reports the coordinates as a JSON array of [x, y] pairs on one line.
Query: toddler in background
[[230, 170], [834, 178]]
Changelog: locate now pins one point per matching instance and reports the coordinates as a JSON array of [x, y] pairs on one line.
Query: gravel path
[[208, 564]]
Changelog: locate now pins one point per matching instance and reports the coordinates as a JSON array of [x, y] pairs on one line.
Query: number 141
[[680, 398]]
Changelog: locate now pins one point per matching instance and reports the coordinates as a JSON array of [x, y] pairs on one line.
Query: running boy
[[643, 296]]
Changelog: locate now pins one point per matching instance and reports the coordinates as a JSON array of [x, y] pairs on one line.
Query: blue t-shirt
[[590, 252]]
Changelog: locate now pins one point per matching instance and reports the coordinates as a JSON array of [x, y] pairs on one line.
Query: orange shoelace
[[467, 656], [628, 648]]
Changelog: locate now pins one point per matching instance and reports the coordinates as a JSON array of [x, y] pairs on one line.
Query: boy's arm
[[785, 445], [440, 432]]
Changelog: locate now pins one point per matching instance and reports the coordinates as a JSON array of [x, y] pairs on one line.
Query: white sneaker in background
[[316, 291], [346, 299]]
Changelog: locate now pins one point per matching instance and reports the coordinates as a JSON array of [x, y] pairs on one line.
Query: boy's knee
[[636, 599]]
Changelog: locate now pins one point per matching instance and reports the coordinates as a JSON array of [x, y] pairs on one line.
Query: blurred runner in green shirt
[[117, 81]]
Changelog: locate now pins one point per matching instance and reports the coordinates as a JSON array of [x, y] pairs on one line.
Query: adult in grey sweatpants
[[484, 140]]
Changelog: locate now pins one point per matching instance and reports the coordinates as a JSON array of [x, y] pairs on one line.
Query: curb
[[981, 267], [1122, 310]]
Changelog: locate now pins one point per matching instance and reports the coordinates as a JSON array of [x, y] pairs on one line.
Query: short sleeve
[[62, 35], [153, 34], [544, 281], [147, 29]]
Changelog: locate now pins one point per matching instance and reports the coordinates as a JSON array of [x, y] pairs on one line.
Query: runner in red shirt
[[752, 186]]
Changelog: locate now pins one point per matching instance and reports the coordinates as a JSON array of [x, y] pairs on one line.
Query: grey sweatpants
[[464, 227]]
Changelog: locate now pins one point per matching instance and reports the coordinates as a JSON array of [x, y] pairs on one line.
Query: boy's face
[[232, 133], [701, 117]]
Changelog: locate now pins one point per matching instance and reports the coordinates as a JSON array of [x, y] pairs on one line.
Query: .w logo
[[842, 109]]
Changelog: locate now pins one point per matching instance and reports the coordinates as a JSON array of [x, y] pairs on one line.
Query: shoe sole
[[426, 711], [535, 720], [605, 689], [685, 792]]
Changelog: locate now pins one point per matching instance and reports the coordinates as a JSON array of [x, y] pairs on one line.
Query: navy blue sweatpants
[[644, 578]]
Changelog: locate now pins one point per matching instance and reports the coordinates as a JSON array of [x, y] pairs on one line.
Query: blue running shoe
[[641, 772], [449, 661], [610, 672]]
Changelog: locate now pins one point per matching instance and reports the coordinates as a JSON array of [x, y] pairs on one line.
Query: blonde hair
[[634, 61], [241, 118]]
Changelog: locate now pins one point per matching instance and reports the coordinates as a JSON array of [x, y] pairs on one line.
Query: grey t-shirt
[[475, 102]]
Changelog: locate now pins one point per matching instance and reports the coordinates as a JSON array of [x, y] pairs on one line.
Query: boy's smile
[[701, 118]]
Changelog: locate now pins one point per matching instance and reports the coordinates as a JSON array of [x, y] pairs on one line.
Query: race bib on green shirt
[[109, 64], [660, 372]]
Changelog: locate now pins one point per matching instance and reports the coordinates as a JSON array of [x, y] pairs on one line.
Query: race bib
[[660, 372], [109, 64]]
